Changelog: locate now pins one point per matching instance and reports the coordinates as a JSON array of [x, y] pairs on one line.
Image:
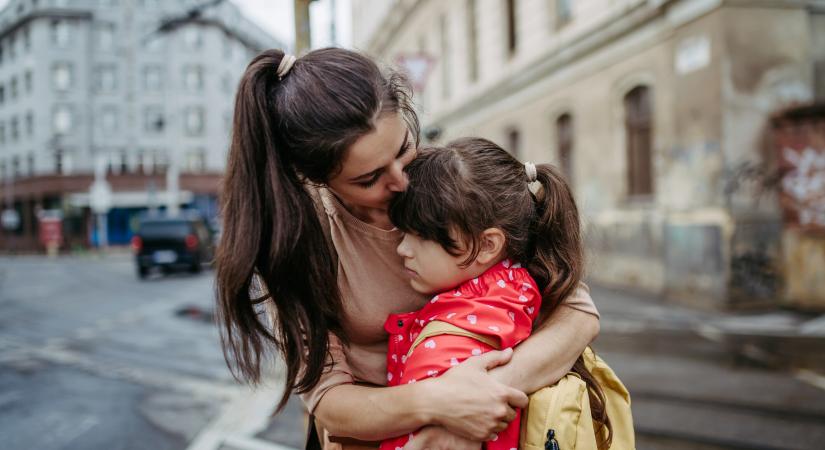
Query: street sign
[[417, 66], [10, 219]]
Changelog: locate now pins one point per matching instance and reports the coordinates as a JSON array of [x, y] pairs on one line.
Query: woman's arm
[[550, 351], [465, 400]]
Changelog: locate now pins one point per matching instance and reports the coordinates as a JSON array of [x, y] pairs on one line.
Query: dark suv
[[182, 242]]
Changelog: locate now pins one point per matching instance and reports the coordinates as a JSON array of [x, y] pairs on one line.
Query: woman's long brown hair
[[471, 185], [286, 134]]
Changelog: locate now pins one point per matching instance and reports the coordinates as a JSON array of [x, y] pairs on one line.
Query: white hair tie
[[286, 63], [532, 176]]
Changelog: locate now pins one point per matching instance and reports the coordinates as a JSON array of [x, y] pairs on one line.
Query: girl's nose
[[399, 181], [403, 248]]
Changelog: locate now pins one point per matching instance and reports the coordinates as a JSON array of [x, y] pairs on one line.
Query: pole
[[303, 37]]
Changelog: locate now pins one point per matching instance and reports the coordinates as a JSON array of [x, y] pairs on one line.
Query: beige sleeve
[[336, 373], [581, 300]]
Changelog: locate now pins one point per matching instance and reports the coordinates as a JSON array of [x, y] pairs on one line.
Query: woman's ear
[[491, 243]]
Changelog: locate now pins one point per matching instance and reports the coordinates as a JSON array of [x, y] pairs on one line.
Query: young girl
[[499, 244]]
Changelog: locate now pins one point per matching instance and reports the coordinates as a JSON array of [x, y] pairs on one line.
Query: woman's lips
[[411, 273]]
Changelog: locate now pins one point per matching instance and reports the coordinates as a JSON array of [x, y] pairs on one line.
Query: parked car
[[170, 243]]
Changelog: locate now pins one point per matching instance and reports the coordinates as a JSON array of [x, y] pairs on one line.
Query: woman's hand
[[437, 438], [470, 403]]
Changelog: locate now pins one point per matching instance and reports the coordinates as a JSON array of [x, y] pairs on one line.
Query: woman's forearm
[[372, 413], [550, 351]]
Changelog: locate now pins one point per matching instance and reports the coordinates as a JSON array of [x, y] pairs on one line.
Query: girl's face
[[373, 168], [430, 268]]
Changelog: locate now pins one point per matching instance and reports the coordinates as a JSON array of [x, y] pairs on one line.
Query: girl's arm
[[550, 351], [465, 400]]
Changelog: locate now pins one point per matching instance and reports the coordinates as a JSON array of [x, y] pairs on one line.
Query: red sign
[[801, 148], [51, 231]]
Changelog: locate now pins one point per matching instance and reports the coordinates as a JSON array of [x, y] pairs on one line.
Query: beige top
[[373, 286]]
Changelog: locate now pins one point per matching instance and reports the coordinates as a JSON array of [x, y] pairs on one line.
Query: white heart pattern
[[403, 359], [472, 319], [530, 310], [453, 361], [512, 315], [494, 328], [523, 299], [501, 283], [435, 299], [450, 315], [506, 263], [389, 376], [432, 373], [429, 344], [476, 351], [395, 358], [525, 286], [457, 294], [475, 280], [510, 275]]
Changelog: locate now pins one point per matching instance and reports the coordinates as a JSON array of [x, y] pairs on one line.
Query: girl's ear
[[492, 242]]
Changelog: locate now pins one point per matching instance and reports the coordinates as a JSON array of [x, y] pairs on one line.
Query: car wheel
[[196, 266], [142, 272]]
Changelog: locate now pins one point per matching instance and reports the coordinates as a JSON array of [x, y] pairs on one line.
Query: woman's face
[[373, 169]]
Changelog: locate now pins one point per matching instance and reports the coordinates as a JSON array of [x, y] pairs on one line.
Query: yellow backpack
[[560, 414]]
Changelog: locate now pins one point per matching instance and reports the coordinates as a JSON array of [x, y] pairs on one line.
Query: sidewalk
[[781, 338]]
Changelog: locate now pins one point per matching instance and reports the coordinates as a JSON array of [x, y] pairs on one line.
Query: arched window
[[564, 142], [639, 127]]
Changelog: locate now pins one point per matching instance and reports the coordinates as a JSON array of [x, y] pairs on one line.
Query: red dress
[[501, 304]]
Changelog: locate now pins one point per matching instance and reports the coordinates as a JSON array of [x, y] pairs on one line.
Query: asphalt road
[[93, 358]]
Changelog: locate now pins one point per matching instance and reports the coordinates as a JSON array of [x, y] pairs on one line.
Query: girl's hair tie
[[286, 63], [532, 176]]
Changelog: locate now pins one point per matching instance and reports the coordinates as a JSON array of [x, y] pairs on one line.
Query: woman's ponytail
[[271, 230]]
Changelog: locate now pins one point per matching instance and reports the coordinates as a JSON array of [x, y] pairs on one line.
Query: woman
[[318, 150]]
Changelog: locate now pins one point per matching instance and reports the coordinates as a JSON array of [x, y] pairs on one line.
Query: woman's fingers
[[491, 359], [516, 398]]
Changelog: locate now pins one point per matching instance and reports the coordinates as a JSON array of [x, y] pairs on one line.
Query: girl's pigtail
[[271, 229], [558, 264]]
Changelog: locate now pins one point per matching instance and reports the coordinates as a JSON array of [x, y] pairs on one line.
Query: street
[[92, 358]]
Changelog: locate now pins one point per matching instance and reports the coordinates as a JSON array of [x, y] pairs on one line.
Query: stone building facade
[[658, 111], [85, 82]]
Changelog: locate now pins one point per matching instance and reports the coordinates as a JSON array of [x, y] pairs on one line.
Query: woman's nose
[[399, 180]]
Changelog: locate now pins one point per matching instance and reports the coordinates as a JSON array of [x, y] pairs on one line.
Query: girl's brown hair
[[286, 134], [471, 185]]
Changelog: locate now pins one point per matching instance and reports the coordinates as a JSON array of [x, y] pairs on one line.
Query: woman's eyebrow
[[379, 170]]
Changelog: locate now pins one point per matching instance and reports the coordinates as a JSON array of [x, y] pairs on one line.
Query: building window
[[105, 78], [153, 120], [62, 76], [27, 39], [28, 82], [61, 33], [639, 130], [15, 166], [445, 57], [564, 142], [564, 12], [2, 94], [105, 36], [160, 161], [15, 129], [2, 133], [59, 165], [12, 47], [193, 78], [3, 168], [153, 78], [109, 119], [196, 160], [511, 31], [14, 90], [193, 37], [62, 119], [194, 120], [472, 40], [514, 142], [30, 161], [30, 124]]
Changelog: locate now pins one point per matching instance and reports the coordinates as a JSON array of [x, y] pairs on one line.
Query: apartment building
[[123, 83], [658, 112]]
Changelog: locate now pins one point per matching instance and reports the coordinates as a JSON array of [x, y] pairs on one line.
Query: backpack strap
[[437, 327]]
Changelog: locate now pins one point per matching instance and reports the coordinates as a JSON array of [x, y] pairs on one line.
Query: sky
[[275, 16]]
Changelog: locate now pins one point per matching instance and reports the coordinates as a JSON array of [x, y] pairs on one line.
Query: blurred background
[[692, 132]]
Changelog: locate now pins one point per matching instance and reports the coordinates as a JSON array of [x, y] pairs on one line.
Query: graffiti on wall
[[803, 186]]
